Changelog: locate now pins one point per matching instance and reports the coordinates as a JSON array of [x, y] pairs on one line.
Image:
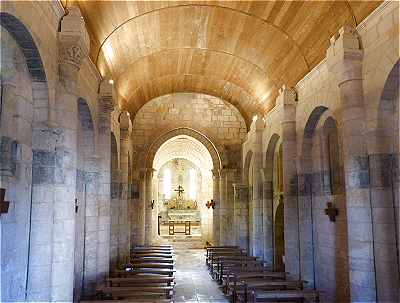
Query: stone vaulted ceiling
[[240, 51]]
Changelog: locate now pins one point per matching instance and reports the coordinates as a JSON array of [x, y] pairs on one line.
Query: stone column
[[115, 210], [287, 98], [74, 47], [216, 199], [105, 107], [91, 224], [124, 222], [344, 60], [255, 204], [141, 210], [155, 209], [267, 205], [148, 234], [230, 180], [222, 208], [241, 215]]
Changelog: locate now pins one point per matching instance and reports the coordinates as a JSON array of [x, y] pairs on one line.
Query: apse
[[182, 187]]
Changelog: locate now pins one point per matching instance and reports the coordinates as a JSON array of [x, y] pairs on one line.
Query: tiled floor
[[193, 283]]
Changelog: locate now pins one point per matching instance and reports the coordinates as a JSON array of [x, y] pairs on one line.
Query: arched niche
[[323, 243], [23, 117]]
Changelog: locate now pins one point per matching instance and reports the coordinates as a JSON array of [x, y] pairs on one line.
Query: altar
[[181, 216]]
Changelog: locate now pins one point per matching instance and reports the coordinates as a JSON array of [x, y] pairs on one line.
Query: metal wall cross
[[331, 211], [179, 190], [3, 204]]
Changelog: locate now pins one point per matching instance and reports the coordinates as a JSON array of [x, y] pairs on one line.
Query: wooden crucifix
[[3, 204], [179, 190], [331, 211]]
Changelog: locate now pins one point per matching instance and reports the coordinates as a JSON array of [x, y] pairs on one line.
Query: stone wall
[[216, 119], [318, 91]]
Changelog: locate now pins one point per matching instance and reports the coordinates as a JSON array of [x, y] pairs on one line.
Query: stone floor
[[193, 283]]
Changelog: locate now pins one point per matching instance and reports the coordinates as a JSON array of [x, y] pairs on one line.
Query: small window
[[167, 183], [192, 184]]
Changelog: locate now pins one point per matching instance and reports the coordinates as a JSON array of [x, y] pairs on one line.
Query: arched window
[[192, 184], [167, 183]]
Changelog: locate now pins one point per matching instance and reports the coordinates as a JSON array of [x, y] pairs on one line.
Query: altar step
[[183, 241]]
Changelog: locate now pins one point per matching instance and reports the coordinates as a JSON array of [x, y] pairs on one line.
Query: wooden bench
[[142, 259], [240, 291], [140, 279], [155, 271], [235, 276], [151, 254], [152, 265], [142, 291], [283, 295]]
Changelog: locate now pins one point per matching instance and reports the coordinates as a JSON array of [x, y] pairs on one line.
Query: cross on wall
[[179, 190], [331, 211], [3, 204]]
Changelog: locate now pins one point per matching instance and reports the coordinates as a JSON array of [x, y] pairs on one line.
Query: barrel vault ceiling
[[240, 51]]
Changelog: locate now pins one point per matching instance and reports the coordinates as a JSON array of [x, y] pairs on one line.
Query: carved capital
[[287, 99], [344, 55], [74, 43]]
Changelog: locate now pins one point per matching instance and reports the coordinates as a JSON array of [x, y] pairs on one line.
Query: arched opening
[[323, 234], [85, 204], [245, 233], [115, 204], [384, 181], [278, 206], [183, 182], [23, 91], [279, 238]]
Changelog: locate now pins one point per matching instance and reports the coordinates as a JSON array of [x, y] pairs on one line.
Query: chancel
[[199, 151]]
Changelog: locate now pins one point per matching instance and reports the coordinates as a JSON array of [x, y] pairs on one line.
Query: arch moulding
[[212, 149]]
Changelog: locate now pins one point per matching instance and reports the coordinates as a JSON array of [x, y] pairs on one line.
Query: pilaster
[[344, 60], [241, 215], [105, 107], [216, 199], [287, 99]]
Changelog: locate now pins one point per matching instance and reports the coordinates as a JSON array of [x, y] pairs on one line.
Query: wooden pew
[[237, 275], [283, 295], [224, 267], [152, 254], [140, 280], [213, 255], [135, 271], [152, 265], [142, 259], [240, 291], [142, 291]]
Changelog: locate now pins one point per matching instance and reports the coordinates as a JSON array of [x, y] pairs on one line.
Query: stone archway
[[322, 180], [148, 176], [211, 147], [23, 167]]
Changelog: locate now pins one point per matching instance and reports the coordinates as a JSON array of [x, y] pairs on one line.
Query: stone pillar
[[141, 210], [91, 225], [216, 199], [344, 60], [222, 208], [255, 204], [267, 205], [115, 210], [105, 107], [229, 206], [74, 47], [155, 209], [148, 234], [124, 221], [241, 215], [287, 98]]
